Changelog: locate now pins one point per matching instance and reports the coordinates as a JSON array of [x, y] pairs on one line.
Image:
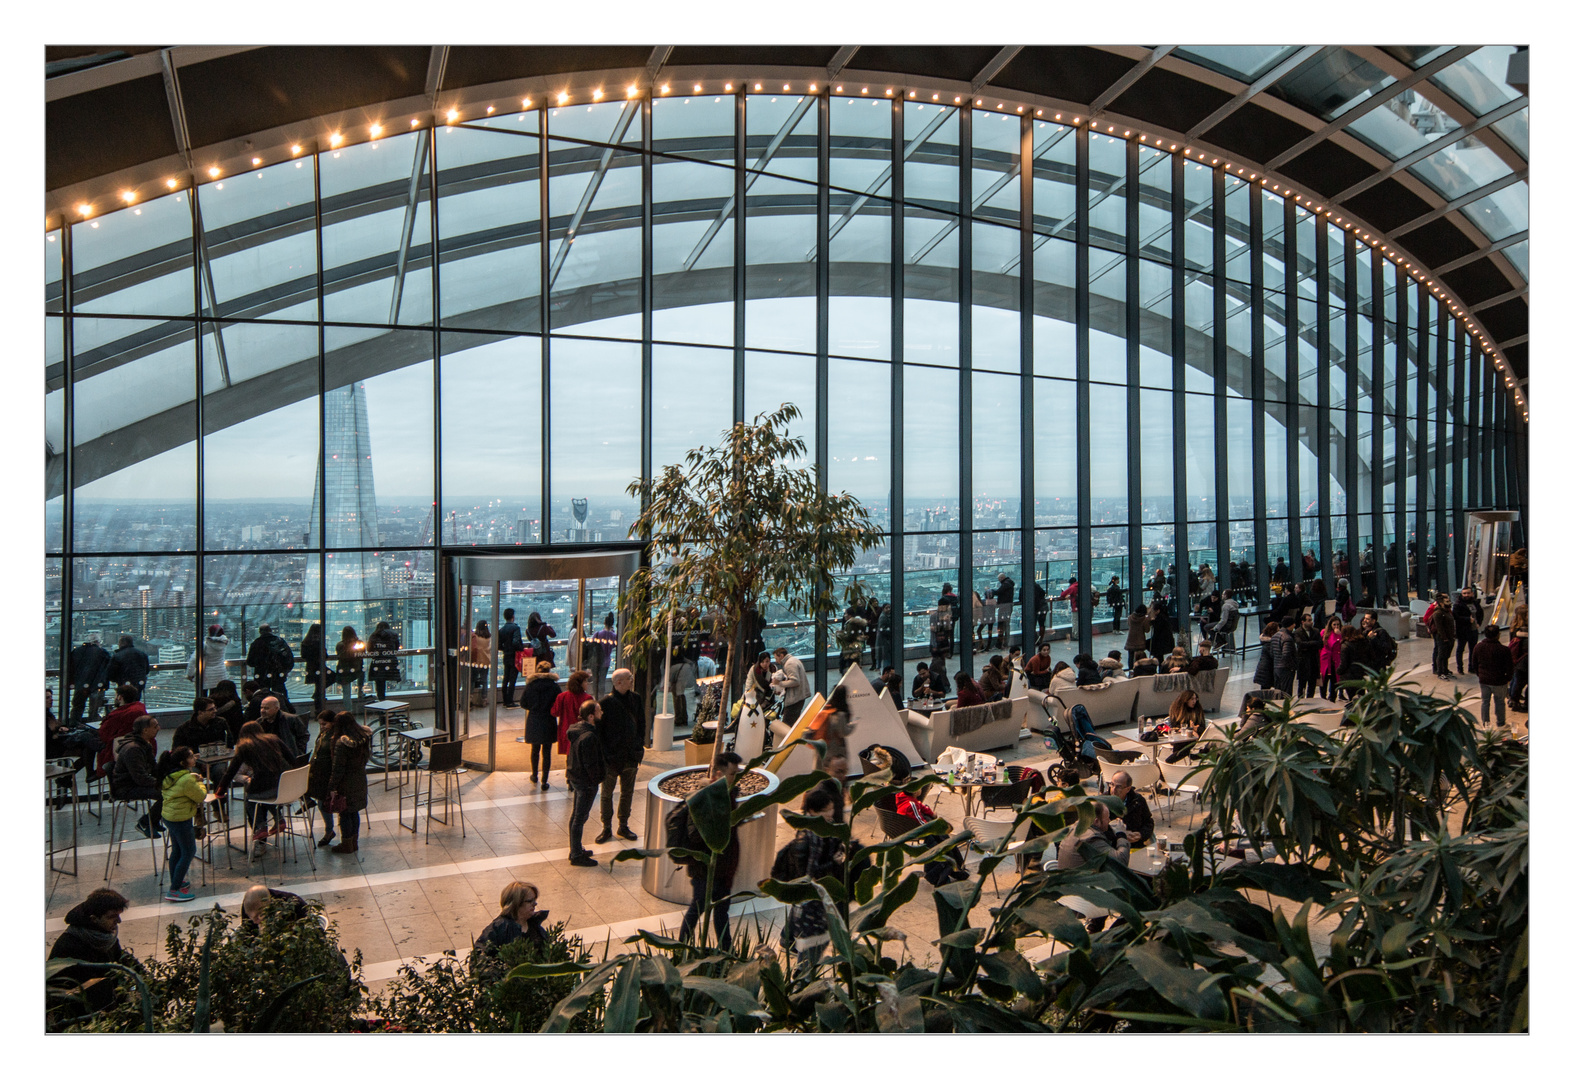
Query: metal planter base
[[666, 880]]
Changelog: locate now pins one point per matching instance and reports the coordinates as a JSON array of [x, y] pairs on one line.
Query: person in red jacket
[[566, 707], [128, 706], [1070, 593]]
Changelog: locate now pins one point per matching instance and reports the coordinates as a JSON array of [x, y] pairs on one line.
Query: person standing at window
[[350, 654]]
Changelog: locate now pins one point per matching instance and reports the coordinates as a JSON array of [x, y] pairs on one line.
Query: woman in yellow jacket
[[183, 794]]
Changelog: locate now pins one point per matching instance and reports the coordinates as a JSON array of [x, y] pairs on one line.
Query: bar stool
[[120, 812], [445, 761], [292, 788], [53, 773]]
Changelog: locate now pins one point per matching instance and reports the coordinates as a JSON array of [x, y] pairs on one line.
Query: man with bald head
[[1138, 819], [290, 729], [622, 731]]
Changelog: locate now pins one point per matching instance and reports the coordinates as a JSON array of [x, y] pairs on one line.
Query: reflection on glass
[[997, 466], [608, 121], [781, 240], [692, 253], [931, 166], [1054, 452], [1107, 448], [858, 418], [54, 289], [594, 243], [691, 401], [931, 477], [861, 145], [135, 261], [783, 135], [152, 599], [595, 394], [1158, 455], [931, 285], [860, 300], [696, 126], [769, 380], [1054, 308], [997, 166], [492, 482], [259, 243], [1054, 179], [489, 226]]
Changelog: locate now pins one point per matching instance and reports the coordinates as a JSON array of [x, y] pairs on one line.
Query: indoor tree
[[736, 526]]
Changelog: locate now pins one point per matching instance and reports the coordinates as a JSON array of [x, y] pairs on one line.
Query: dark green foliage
[[478, 994]]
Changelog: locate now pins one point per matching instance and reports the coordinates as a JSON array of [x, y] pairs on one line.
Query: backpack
[[283, 660], [679, 834]]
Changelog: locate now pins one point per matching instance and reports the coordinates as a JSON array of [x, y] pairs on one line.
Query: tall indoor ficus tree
[[736, 526]]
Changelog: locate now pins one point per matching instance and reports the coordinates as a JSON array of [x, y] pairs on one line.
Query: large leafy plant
[[736, 526]]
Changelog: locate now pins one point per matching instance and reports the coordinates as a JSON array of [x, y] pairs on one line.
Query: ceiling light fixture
[[214, 172], [375, 129]]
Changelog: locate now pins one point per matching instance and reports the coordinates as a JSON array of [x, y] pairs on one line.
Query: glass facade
[[1027, 348]]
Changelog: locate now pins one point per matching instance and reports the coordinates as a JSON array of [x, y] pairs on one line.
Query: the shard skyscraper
[[351, 503]]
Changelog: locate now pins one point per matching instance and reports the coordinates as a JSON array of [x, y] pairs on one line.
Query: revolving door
[[579, 589]]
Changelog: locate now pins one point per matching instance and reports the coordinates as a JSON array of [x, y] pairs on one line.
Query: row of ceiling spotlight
[[454, 115]]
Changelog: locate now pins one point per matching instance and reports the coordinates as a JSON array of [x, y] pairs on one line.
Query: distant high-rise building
[[349, 512], [144, 610]]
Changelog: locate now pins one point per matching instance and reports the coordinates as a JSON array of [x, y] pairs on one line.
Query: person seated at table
[[1101, 838], [1254, 717], [967, 691], [1062, 677], [133, 776], [877, 758], [128, 709], [259, 898], [921, 691], [62, 741], [1111, 670], [939, 685], [1137, 819], [994, 679], [518, 918], [287, 727], [1040, 667], [891, 683], [1204, 660], [203, 729], [940, 871], [227, 701], [263, 755], [1187, 723]]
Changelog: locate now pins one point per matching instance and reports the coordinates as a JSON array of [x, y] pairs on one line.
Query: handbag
[[336, 803]]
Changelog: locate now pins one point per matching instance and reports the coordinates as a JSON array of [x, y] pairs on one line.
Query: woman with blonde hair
[[517, 919]]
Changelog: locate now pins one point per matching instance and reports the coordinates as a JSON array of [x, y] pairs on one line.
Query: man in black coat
[[133, 778], [1469, 616], [510, 641], [129, 664], [89, 676], [271, 659], [587, 768], [288, 727], [622, 731], [728, 766], [92, 935]]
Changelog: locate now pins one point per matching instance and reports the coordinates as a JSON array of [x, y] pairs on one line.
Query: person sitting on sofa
[[1148, 665], [967, 691], [1111, 670], [1177, 661], [1064, 677], [1087, 671]]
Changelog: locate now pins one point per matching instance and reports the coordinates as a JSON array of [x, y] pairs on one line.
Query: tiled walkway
[[402, 897]]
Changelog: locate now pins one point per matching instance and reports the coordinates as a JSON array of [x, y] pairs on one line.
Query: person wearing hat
[[1441, 624], [537, 698]]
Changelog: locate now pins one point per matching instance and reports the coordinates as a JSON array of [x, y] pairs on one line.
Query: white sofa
[[1107, 703], [1395, 621], [1156, 692], [1002, 724]]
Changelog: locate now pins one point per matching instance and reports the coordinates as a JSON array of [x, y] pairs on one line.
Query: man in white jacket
[[792, 682]]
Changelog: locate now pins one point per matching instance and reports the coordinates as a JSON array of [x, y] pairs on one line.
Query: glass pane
[[595, 247], [858, 417], [1479, 80], [151, 599], [1107, 449], [54, 259], [1158, 456], [1275, 463], [367, 589], [1199, 334], [1404, 123], [783, 135], [608, 121], [1055, 559], [692, 126], [389, 376], [682, 419], [1107, 316], [135, 462], [1157, 368], [1054, 452], [1107, 190], [997, 298], [931, 477], [1240, 461], [860, 305], [1461, 167], [997, 451], [1054, 178], [260, 437], [781, 241], [1155, 176], [693, 252], [595, 443], [489, 227], [1515, 129], [1502, 213], [259, 235], [1244, 62], [773, 378], [54, 432], [1199, 459], [492, 485], [1331, 83], [931, 316], [1054, 308], [242, 592], [861, 144], [997, 166], [931, 167], [53, 613], [135, 261]]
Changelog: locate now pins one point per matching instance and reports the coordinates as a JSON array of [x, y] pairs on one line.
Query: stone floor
[[405, 896]]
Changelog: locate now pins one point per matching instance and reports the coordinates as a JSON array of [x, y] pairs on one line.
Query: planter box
[[666, 880], [696, 753]]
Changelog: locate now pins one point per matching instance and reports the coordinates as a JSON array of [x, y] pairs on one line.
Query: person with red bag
[[566, 707]]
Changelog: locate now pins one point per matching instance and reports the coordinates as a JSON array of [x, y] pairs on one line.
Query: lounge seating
[[1156, 692], [1210, 687], [997, 724], [1107, 703]]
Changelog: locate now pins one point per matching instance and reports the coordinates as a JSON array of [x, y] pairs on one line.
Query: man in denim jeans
[[1494, 667], [587, 768]]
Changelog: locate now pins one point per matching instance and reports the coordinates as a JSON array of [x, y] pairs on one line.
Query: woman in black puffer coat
[[352, 748], [319, 773], [382, 652], [538, 697]]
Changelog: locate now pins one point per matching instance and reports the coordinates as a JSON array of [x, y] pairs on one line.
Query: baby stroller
[[1078, 746]]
